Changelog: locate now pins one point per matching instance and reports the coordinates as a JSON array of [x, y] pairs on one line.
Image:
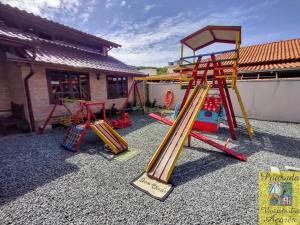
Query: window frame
[[122, 92], [53, 72]]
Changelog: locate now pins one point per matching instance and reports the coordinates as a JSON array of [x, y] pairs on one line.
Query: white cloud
[[123, 3], [148, 7], [113, 3], [68, 10], [108, 4], [156, 41], [33, 6], [151, 42]]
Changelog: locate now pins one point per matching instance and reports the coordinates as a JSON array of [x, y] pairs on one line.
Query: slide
[[110, 137], [163, 162]]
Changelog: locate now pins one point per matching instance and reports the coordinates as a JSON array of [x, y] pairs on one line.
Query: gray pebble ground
[[40, 183]]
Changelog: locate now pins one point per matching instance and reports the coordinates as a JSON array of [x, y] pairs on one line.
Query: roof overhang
[[14, 58], [212, 34], [24, 18]]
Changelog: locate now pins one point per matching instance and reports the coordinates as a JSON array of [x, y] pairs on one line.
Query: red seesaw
[[206, 140]]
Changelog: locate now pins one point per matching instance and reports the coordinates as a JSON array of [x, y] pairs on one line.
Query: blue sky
[[149, 31]]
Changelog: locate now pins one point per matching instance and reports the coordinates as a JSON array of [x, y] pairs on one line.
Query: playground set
[[83, 120], [207, 74], [201, 109]]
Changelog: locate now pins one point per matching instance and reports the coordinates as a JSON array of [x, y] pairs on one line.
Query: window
[[117, 87], [64, 84]]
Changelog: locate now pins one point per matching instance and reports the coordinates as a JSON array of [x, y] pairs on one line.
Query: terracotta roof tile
[[271, 52], [57, 52], [269, 56]]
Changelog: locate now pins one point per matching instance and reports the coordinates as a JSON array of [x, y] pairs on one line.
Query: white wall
[[275, 100], [157, 91], [149, 71]]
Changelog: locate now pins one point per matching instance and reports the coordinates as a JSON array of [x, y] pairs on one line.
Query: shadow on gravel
[[27, 163], [263, 141]]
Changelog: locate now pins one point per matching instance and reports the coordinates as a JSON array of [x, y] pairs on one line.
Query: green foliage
[[162, 70], [145, 67]]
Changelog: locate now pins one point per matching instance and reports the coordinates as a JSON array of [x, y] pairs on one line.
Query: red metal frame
[[58, 102], [186, 94], [82, 106], [124, 121], [190, 84], [221, 72], [139, 97], [221, 85], [135, 88], [90, 113], [224, 98]]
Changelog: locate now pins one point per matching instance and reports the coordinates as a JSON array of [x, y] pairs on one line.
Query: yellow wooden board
[[158, 78], [105, 139]]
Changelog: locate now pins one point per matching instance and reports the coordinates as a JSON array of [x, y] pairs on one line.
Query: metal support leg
[[230, 105], [248, 126], [227, 110]]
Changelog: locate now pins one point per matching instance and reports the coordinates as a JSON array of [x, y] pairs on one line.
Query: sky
[[149, 31]]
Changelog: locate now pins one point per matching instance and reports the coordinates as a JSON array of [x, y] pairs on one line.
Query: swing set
[[125, 121], [68, 117], [81, 121]]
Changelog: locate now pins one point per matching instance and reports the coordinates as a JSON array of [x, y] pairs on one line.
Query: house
[[41, 61]]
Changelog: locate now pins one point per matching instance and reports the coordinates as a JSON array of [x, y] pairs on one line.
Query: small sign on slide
[[152, 187]]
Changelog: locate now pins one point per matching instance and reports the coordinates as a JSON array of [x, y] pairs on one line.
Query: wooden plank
[[164, 164], [175, 154], [108, 135], [173, 142], [161, 146], [167, 138], [111, 135]]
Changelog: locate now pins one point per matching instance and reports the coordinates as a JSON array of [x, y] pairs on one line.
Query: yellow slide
[[163, 162], [110, 137]]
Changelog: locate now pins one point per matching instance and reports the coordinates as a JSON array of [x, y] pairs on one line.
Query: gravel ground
[[42, 184]]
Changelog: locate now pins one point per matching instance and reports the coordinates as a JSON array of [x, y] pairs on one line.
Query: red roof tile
[[264, 67], [262, 57], [281, 51]]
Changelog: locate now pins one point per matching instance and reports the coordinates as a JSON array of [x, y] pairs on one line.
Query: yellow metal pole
[[234, 85], [248, 126], [164, 77], [235, 63], [194, 56], [181, 54], [181, 62]]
